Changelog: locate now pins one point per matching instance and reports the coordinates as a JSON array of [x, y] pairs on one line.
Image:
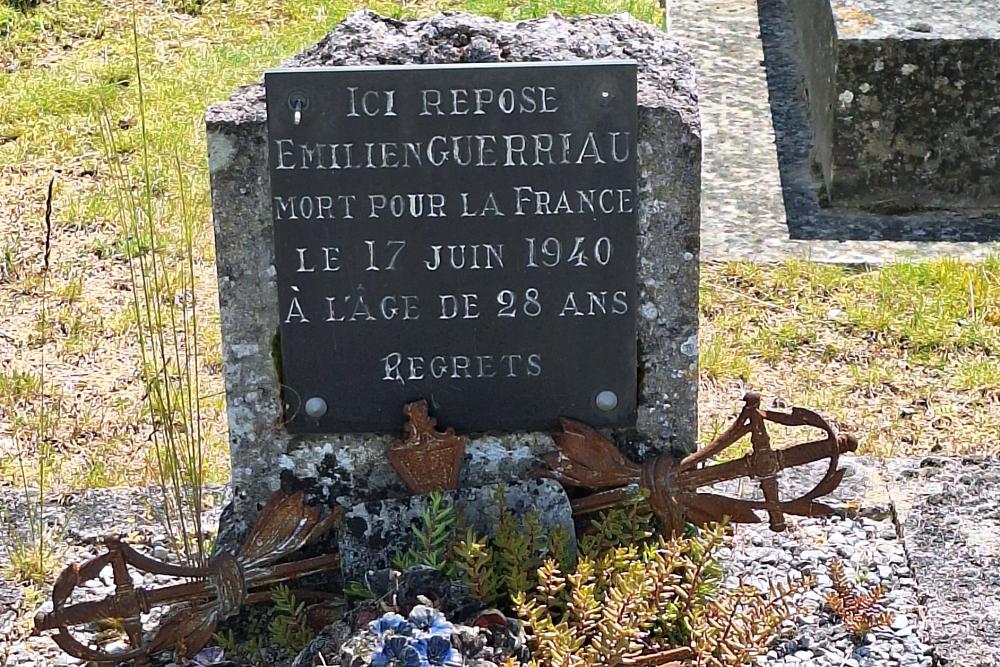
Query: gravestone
[[599, 323]]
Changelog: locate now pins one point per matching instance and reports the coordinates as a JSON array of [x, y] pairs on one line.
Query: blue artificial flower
[[441, 652], [391, 652], [208, 656], [422, 640], [415, 654], [389, 621], [430, 621]]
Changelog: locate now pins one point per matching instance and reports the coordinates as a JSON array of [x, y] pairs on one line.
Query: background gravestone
[[904, 101], [264, 453]]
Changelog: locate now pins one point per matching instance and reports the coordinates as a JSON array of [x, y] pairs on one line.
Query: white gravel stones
[[870, 553], [85, 517], [949, 510]]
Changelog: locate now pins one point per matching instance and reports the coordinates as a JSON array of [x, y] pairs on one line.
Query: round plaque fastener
[[316, 407], [297, 102], [606, 400]]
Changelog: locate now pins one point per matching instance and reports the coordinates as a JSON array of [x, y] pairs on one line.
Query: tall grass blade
[[34, 416], [164, 310]]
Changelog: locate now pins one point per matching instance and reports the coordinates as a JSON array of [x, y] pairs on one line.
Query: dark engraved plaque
[[464, 234]]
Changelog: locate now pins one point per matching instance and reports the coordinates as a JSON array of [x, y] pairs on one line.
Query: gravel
[[83, 519], [872, 554], [865, 539]]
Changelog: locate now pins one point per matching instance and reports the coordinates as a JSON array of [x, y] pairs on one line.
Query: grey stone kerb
[[264, 455]]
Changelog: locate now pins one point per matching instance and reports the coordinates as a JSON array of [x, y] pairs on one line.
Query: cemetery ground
[[903, 354]]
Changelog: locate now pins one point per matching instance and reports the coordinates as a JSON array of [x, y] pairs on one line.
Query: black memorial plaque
[[464, 234]]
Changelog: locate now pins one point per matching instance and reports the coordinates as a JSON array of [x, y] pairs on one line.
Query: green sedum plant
[[498, 568], [434, 535], [860, 608], [740, 623], [494, 568], [630, 594], [289, 627], [620, 602], [619, 526], [652, 596]]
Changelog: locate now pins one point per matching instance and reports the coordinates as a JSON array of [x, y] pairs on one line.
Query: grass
[[903, 356], [165, 316], [31, 542]]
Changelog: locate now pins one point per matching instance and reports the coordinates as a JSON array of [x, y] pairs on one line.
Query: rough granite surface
[[374, 533], [904, 101], [263, 454]]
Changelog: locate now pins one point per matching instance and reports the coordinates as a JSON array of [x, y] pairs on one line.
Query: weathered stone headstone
[[904, 101], [278, 437]]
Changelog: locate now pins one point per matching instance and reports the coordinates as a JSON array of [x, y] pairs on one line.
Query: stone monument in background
[[904, 102]]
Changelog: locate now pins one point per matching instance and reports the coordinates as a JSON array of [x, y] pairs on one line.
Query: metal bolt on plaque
[[606, 400], [298, 102], [316, 407]]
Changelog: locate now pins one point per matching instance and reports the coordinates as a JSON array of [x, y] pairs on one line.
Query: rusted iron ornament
[[220, 589], [430, 459], [427, 459], [586, 459]]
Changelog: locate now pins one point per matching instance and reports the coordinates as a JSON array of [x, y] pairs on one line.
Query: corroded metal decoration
[[425, 458], [588, 460], [220, 589]]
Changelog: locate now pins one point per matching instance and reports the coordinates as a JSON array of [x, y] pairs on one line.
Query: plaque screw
[[606, 401], [297, 102], [316, 407]]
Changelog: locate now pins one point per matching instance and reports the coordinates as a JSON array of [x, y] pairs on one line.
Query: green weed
[[10, 261], [165, 314], [289, 627], [721, 358], [33, 553], [980, 373]]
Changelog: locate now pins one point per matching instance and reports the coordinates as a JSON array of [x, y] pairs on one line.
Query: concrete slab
[[904, 102], [760, 194]]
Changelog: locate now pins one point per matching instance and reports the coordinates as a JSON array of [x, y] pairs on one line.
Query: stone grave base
[[904, 101], [924, 528], [346, 469]]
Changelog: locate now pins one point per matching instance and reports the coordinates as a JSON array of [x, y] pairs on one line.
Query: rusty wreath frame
[[586, 459], [427, 459], [218, 590]]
